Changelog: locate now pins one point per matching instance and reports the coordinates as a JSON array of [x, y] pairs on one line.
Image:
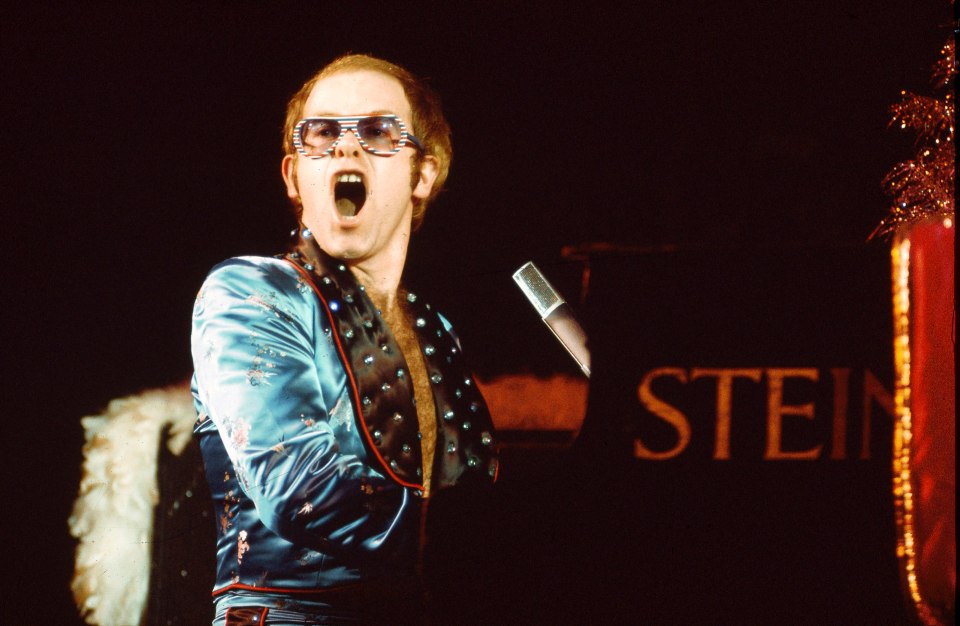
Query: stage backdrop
[[735, 461]]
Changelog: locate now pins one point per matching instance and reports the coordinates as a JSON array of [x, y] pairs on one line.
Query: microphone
[[555, 313]]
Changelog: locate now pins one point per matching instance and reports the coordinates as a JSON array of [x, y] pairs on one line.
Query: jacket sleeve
[[254, 344]]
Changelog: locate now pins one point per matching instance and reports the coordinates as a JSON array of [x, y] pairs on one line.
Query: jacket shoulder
[[267, 282], [254, 270]]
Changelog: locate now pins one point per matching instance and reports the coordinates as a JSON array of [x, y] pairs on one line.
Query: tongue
[[347, 207]]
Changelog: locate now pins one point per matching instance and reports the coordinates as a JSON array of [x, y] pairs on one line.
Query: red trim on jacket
[[217, 592]]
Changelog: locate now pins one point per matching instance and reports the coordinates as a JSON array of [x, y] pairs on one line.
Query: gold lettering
[[776, 410], [841, 388], [666, 412], [725, 378], [873, 390]]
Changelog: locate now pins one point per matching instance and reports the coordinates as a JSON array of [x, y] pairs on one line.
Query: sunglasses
[[383, 135]]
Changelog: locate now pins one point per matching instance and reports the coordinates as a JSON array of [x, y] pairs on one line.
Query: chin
[[342, 249]]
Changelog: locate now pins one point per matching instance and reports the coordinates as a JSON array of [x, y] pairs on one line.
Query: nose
[[348, 145]]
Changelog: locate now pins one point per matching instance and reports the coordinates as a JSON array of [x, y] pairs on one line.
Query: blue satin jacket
[[307, 427]]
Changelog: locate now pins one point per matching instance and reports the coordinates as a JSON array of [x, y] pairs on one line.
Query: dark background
[[142, 147]]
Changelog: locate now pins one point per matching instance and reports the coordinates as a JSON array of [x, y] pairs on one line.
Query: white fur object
[[113, 514]]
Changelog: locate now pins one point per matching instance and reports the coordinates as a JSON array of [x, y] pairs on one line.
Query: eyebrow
[[374, 112]]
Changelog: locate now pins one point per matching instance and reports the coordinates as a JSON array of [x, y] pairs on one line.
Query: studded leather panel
[[380, 379]]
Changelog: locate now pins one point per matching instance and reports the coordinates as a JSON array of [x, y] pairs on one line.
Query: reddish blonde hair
[[428, 123]]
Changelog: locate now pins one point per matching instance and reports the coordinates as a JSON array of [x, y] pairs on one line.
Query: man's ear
[[427, 175], [288, 168]]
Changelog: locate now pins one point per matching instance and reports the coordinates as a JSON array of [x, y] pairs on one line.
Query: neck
[[381, 279]]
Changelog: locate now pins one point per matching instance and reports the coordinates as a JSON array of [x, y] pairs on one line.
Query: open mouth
[[349, 194]]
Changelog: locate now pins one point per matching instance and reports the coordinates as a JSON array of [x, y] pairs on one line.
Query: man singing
[[330, 400]]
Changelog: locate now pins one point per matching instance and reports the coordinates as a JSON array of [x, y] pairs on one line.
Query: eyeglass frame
[[350, 122]]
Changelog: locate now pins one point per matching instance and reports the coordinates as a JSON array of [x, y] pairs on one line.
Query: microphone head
[[537, 289]]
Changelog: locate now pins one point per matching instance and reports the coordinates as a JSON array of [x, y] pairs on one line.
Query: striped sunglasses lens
[[378, 134]]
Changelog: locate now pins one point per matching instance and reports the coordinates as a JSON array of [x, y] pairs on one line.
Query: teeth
[[348, 178]]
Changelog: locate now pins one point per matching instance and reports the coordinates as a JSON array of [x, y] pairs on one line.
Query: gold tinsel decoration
[[924, 187]]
